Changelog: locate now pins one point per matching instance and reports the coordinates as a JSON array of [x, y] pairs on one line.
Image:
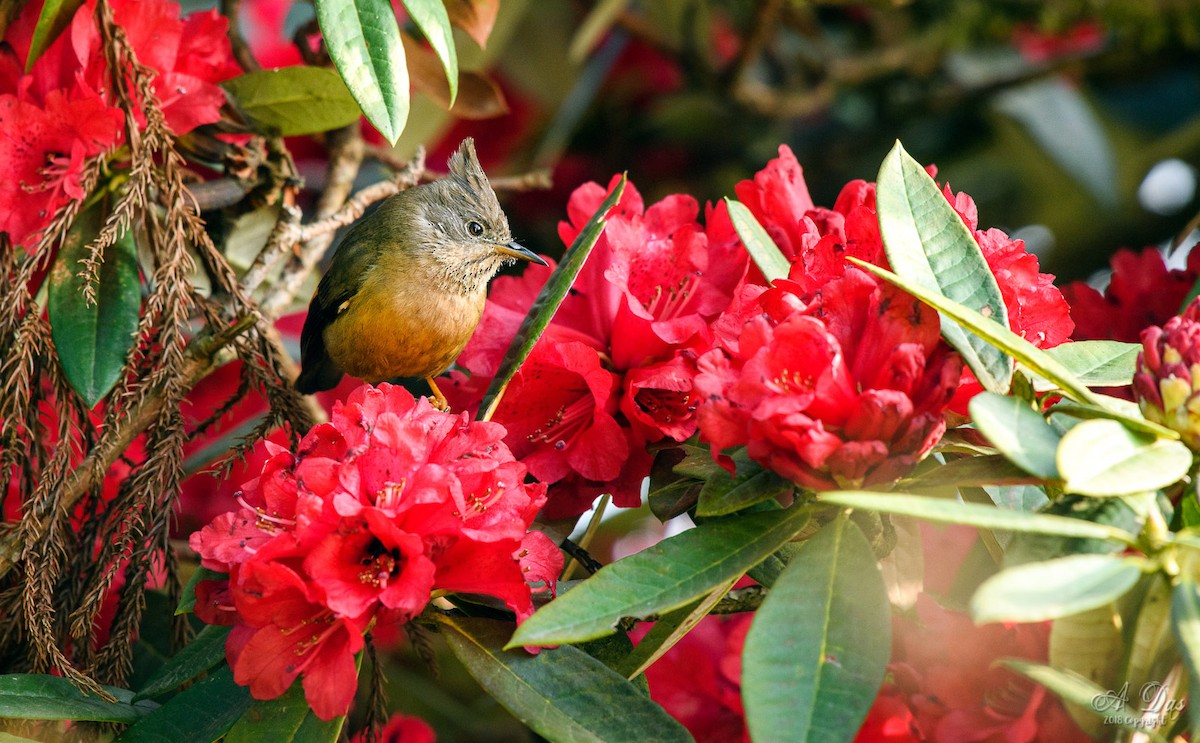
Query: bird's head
[[464, 229]]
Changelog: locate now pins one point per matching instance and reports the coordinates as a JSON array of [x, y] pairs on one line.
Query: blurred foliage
[[1048, 113]]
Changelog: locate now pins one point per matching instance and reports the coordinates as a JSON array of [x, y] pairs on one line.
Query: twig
[[763, 27], [203, 354], [232, 10], [580, 555], [301, 265]]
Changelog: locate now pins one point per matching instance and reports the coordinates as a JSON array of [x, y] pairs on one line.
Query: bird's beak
[[520, 252]]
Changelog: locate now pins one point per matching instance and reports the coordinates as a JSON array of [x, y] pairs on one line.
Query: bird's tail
[[317, 372]]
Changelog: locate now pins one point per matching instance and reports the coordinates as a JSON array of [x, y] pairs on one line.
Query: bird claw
[[439, 403]]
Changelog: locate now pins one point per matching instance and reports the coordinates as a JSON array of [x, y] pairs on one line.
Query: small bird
[[408, 284]]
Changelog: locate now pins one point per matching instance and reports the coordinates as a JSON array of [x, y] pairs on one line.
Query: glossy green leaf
[[947, 511], [1153, 650], [671, 574], [187, 601], [292, 101], [669, 630], [928, 243], [431, 17], [819, 645], [1090, 644], [287, 717], [1095, 363], [56, 15], [38, 697], [1102, 457], [363, 41], [1185, 621], [1034, 358], [93, 340], [1037, 591], [762, 248], [1018, 432], [990, 469], [723, 493], [547, 302], [205, 651], [1111, 512], [201, 713], [562, 694]]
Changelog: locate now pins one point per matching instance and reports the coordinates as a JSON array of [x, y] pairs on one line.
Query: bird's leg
[[437, 398]]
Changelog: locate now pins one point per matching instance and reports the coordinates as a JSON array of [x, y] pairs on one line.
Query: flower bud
[[1168, 375]]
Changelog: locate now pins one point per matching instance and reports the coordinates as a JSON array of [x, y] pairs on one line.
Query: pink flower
[[388, 502]]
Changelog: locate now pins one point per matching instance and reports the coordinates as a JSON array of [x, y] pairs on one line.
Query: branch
[[204, 353], [232, 9]]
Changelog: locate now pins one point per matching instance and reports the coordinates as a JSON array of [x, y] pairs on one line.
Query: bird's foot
[[437, 399]]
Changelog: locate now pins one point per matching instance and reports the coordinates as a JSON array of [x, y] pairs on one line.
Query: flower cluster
[[63, 111], [831, 377], [1167, 381], [610, 374], [387, 502]]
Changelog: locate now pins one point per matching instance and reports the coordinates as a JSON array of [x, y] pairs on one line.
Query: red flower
[[61, 112], [603, 381], [817, 240], [845, 391], [698, 681], [1142, 292], [401, 729], [285, 630], [389, 501], [1168, 374]]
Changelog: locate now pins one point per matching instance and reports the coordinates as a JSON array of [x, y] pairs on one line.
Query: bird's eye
[[475, 229]]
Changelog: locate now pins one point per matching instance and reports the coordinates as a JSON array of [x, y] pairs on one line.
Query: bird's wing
[[351, 264]]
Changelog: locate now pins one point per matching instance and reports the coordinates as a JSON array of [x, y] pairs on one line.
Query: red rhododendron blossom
[[848, 389], [400, 729], [1142, 292], [819, 239], [384, 504], [61, 112], [604, 379]]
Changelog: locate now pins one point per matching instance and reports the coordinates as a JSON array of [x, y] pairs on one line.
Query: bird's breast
[[402, 333]]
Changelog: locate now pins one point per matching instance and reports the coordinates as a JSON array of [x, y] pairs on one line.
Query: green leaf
[[292, 101], [671, 574], [286, 717], [201, 713], [1037, 591], [1018, 432], [56, 15], [928, 243], [669, 630], [1090, 644], [205, 651], [1076, 689], [363, 41], [990, 469], [1095, 363], [724, 493], [562, 694], [972, 514], [431, 17], [758, 243], [1152, 648], [1034, 358], [819, 645], [187, 601], [93, 340], [37, 697], [1103, 458], [1040, 547], [547, 302], [1185, 621]]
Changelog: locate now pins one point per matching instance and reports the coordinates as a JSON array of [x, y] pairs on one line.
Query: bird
[[408, 284]]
